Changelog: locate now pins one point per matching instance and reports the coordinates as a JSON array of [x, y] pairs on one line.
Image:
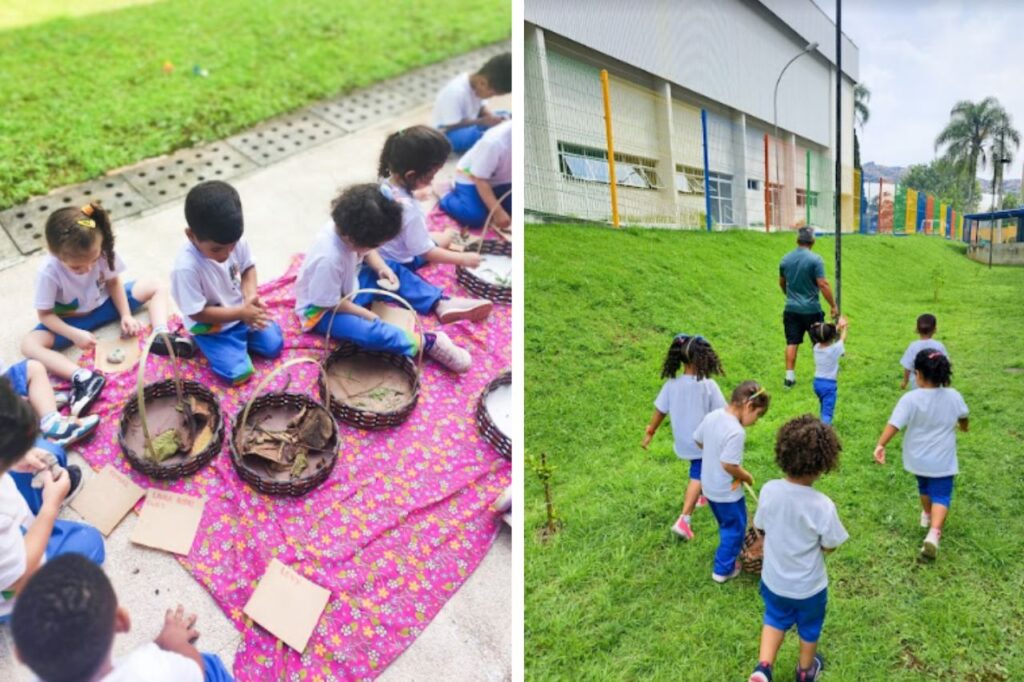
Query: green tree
[[861, 114], [1005, 141], [1010, 200], [965, 138], [943, 178]]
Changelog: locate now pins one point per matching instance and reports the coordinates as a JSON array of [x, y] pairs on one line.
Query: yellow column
[[611, 146]]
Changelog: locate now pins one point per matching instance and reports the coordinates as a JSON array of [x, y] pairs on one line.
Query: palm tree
[[1005, 141], [861, 112], [965, 136]]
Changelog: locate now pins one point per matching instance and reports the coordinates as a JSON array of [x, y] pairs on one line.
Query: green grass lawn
[[84, 95], [25, 12], [616, 595]]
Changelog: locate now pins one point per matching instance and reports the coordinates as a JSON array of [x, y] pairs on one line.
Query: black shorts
[[795, 324]]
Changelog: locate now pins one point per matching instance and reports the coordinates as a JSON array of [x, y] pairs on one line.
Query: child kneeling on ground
[[64, 626], [800, 526]]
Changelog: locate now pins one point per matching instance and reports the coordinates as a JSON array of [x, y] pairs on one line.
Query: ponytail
[[752, 393], [74, 229], [416, 149], [694, 351]]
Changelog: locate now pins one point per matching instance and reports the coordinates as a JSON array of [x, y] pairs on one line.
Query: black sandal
[[184, 347]]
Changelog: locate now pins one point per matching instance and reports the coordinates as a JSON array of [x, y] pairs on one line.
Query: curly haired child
[[801, 526], [827, 351], [929, 415], [721, 436], [687, 399]]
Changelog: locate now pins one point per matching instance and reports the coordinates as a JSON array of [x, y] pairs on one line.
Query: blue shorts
[[808, 614], [17, 374], [940, 490], [94, 318], [695, 469]]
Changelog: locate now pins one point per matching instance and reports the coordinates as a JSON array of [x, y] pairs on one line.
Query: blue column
[[707, 176]]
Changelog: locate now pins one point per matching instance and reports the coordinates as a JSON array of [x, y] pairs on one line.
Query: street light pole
[[775, 121]]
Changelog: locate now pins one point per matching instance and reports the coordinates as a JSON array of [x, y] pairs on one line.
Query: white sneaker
[[926, 520], [930, 548], [725, 578], [445, 352], [454, 309]]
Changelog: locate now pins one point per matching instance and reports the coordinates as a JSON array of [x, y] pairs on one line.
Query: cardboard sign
[[392, 314], [287, 605], [106, 498], [168, 521], [130, 348]]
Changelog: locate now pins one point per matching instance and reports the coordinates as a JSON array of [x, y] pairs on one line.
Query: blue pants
[[808, 614], [17, 374], [464, 138], [464, 204], [732, 524], [420, 294], [96, 318], [228, 350], [376, 335], [214, 670], [940, 489], [826, 390], [34, 496], [695, 468]]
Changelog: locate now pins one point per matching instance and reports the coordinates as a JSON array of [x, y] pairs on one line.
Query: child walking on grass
[[827, 351], [721, 436], [687, 399], [800, 527], [926, 325], [929, 416]]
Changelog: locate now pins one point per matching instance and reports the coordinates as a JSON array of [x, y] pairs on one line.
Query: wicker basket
[[341, 405], [752, 552], [485, 425], [501, 247], [134, 420], [254, 471]]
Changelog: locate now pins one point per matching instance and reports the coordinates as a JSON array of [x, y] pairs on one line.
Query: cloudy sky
[[919, 57]]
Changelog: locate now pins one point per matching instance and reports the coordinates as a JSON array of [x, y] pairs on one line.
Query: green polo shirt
[[802, 268]]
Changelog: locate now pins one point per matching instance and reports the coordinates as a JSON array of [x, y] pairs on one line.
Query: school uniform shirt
[[14, 515], [915, 347], [329, 272], [826, 360], [687, 400], [414, 239], [65, 293], [928, 418], [797, 521], [456, 102], [723, 437], [490, 158], [198, 282], [152, 664]]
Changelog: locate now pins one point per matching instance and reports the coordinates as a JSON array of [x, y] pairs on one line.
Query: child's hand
[[647, 440], [130, 326], [32, 462], [179, 630], [83, 339], [903, 385], [388, 274], [502, 219], [471, 260], [54, 492], [490, 120], [842, 322], [254, 313], [880, 454]]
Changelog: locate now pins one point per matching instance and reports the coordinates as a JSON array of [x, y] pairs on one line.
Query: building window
[[689, 180], [803, 197], [720, 186], [774, 203], [754, 184], [591, 165]]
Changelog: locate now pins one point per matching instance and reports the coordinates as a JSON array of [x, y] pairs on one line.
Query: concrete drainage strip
[[148, 184]]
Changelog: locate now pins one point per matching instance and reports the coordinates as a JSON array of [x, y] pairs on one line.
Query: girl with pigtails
[[687, 399], [79, 288]]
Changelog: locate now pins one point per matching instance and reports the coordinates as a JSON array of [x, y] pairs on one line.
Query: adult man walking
[[801, 277]]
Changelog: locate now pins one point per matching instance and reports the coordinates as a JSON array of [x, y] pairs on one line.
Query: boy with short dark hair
[[64, 627], [926, 325], [459, 111], [214, 285]]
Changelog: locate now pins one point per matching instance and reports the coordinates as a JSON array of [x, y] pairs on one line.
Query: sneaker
[[454, 309], [725, 578], [702, 501], [789, 383], [85, 392], [926, 520], [930, 548], [184, 347], [74, 472], [814, 673], [762, 673], [448, 354], [68, 430], [682, 528], [62, 398]]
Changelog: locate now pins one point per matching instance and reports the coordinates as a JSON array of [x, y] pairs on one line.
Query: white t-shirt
[[414, 239], [928, 418], [198, 282], [150, 663], [65, 293], [826, 360], [687, 401], [456, 102], [329, 272], [14, 515], [490, 158], [915, 347], [797, 521], [723, 437]]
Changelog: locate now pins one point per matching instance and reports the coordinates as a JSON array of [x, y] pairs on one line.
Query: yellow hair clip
[[754, 394], [87, 223]]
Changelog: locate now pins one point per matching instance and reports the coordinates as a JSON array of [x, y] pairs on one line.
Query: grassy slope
[[616, 596], [85, 95]]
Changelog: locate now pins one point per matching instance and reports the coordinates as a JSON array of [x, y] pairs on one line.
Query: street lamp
[[811, 47]]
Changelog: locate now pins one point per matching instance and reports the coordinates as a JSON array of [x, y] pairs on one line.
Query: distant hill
[[873, 171]]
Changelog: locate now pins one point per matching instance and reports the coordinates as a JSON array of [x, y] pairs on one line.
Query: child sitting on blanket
[[30, 532], [214, 284], [78, 289], [64, 626], [687, 399], [459, 111], [363, 218], [30, 380], [484, 176]]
